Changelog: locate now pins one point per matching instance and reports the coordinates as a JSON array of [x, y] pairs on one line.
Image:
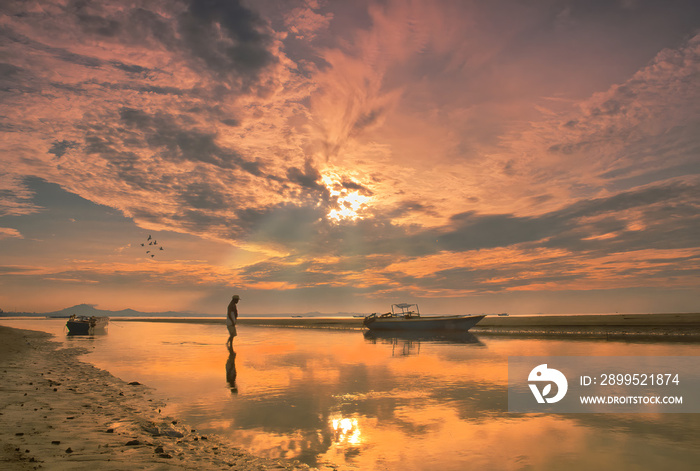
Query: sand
[[59, 413], [653, 327]]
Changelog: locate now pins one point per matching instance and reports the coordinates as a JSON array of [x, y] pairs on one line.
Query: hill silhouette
[[91, 310]]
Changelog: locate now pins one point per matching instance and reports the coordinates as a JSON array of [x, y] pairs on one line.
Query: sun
[[350, 203]]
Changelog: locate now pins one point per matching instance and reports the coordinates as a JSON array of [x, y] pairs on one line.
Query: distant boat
[[84, 325], [405, 316]]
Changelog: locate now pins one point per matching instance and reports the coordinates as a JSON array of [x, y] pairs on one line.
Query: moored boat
[[84, 325], [405, 316]]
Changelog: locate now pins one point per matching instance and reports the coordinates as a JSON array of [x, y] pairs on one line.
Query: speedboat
[[405, 316]]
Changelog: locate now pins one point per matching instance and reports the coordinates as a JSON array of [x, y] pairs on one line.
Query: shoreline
[[668, 326], [60, 413], [673, 326]]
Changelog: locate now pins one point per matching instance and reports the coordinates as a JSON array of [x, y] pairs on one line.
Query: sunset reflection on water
[[346, 431], [341, 398]]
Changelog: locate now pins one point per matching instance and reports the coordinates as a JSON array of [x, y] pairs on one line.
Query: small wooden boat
[[406, 316], [84, 325]]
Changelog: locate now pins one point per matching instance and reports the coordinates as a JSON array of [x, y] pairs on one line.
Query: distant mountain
[[91, 310]]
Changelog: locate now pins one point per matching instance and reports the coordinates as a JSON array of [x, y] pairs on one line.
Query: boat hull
[[421, 324], [87, 327]]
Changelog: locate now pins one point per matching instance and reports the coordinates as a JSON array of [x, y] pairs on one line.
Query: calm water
[[336, 397]]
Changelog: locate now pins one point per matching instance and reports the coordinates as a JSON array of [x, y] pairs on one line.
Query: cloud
[[163, 135], [636, 133], [647, 234], [305, 22], [307, 178], [229, 38], [15, 196], [10, 233], [140, 116], [59, 148], [662, 216], [436, 135]]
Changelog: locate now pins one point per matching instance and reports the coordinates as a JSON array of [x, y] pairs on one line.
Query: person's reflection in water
[[231, 370]]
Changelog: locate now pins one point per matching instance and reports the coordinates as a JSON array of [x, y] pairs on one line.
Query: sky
[[537, 156]]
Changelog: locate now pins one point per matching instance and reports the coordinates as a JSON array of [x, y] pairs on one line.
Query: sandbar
[[667, 326]]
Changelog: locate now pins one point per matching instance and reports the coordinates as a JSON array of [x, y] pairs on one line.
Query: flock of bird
[[154, 247]]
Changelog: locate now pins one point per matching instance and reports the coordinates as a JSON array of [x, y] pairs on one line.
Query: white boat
[[405, 316]]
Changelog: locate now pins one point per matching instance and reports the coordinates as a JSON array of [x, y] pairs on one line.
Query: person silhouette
[[231, 316], [231, 370]]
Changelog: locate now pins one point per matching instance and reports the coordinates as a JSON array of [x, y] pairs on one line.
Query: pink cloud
[[305, 22], [10, 233], [186, 120]]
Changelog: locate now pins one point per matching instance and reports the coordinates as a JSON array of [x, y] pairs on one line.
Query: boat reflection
[[405, 343], [231, 373], [428, 336], [89, 336]]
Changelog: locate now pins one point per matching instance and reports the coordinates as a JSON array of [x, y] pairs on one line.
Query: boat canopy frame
[[405, 310]]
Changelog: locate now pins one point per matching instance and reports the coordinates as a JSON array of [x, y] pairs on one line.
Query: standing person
[[231, 316]]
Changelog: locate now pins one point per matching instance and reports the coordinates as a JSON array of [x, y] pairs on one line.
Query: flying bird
[[151, 242]]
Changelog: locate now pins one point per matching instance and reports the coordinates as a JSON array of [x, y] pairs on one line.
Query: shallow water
[[336, 397]]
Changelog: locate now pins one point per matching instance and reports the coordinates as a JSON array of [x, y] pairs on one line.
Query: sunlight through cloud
[[350, 202]]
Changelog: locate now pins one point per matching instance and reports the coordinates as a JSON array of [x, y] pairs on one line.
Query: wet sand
[[672, 326], [59, 413]]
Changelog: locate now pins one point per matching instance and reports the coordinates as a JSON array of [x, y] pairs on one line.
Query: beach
[[60, 413], [327, 396]]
